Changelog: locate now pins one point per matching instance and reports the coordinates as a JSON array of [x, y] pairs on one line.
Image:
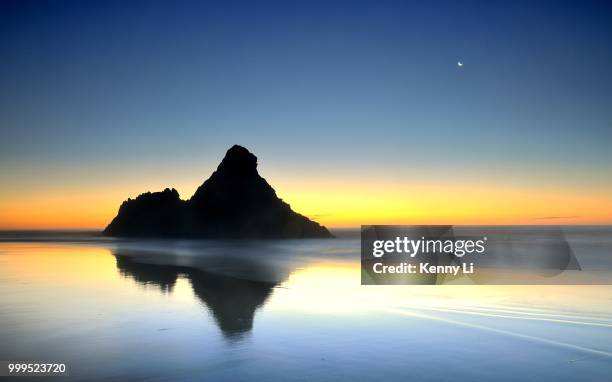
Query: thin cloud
[[555, 217], [318, 216]]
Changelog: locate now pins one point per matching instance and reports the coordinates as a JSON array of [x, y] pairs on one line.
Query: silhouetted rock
[[156, 214], [235, 202]]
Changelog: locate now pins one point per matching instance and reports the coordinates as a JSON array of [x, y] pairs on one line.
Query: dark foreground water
[[282, 311]]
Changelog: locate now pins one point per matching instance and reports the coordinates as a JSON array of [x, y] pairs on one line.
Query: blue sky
[[358, 84]]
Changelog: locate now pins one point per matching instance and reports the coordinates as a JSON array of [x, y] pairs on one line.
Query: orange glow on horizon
[[338, 204], [354, 204]]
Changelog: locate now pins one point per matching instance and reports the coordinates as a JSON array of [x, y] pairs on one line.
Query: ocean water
[[294, 310]]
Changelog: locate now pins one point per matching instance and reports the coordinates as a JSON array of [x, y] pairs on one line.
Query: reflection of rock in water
[[148, 274], [232, 301]]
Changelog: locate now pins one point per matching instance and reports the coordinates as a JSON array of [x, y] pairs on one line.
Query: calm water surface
[[281, 310]]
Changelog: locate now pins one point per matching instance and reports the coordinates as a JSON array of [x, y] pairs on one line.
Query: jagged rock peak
[[238, 160]]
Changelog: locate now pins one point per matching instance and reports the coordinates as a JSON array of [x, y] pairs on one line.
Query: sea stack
[[235, 202]]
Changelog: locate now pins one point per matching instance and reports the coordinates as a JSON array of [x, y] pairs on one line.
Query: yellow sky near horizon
[[332, 203]]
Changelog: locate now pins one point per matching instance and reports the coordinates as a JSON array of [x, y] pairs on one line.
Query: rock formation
[[235, 202]]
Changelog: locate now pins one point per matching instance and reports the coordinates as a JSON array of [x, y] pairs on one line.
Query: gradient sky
[[357, 111]]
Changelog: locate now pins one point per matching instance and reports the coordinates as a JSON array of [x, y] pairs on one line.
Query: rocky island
[[235, 202]]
